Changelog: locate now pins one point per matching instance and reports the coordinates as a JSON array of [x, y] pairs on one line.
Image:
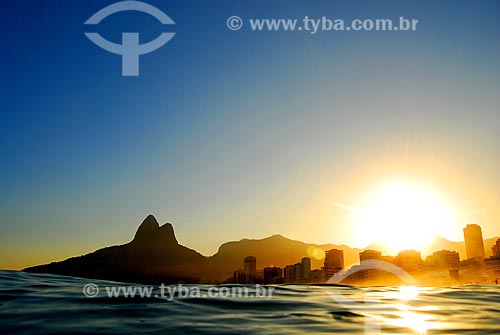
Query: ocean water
[[50, 304]]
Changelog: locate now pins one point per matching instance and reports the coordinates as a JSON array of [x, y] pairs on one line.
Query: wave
[[51, 304]]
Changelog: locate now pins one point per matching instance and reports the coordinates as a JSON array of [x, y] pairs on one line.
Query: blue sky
[[232, 134]]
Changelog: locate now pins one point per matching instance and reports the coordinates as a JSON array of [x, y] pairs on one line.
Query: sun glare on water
[[401, 216]]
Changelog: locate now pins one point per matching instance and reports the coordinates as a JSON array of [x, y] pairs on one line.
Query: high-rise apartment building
[[250, 269], [474, 241], [334, 262]]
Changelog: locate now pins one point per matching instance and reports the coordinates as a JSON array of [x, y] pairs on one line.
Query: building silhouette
[[239, 277], [369, 254], [306, 269], [445, 260], [317, 276], [493, 263], [273, 275], [410, 261], [334, 262], [474, 241], [496, 248], [298, 272], [289, 274], [250, 269]]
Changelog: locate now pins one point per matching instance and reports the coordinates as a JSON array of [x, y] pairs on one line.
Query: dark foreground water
[[49, 304]]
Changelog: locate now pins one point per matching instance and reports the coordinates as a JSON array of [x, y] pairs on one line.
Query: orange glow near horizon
[[403, 216]]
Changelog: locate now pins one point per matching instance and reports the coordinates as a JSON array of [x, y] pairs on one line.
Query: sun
[[402, 216]]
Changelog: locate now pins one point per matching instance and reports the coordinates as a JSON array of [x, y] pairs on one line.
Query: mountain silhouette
[[155, 256], [275, 250]]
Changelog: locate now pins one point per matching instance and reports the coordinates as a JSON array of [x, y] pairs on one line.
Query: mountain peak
[[148, 226], [150, 231], [167, 233], [277, 237]]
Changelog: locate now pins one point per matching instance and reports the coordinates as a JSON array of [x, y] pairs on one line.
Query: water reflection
[[406, 315], [408, 292], [410, 319]]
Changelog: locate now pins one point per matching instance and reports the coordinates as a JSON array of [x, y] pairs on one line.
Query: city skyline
[[474, 268], [379, 247], [155, 254]]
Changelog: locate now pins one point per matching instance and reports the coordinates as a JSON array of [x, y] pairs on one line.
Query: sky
[[240, 134]]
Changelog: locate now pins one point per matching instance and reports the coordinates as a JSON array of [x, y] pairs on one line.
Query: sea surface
[[50, 304]]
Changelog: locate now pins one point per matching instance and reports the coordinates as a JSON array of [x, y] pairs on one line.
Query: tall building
[[410, 261], [250, 269], [289, 273], [493, 263], [496, 248], [298, 272], [239, 277], [306, 269], [447, 260], [273, 275], [369, 254], [334, 262], [474, 241]]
